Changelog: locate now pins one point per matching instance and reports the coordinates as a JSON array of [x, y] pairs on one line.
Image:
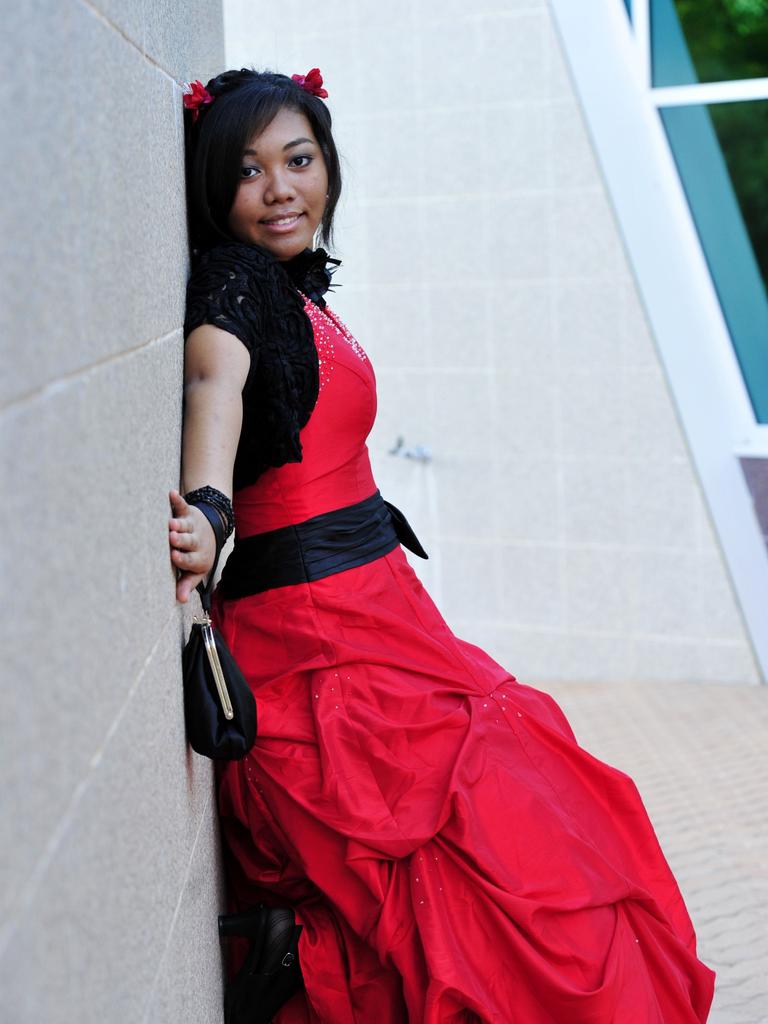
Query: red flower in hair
[[312, 82], [197, 97]]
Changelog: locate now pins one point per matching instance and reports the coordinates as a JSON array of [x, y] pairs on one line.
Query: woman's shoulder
[[233, 286], [232, 256], [232, 265]]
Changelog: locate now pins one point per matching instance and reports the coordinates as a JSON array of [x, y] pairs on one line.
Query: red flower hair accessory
[[311, 82], [197, 97]]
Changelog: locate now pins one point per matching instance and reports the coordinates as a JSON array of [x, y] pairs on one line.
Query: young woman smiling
[[449, 851]]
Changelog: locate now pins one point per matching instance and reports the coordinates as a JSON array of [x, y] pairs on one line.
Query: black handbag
[[219, 707]]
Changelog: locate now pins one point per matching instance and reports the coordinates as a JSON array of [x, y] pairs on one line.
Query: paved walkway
[[699, 756]]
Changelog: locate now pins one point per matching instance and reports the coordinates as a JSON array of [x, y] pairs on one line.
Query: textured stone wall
[[485, 275], [111, 875]]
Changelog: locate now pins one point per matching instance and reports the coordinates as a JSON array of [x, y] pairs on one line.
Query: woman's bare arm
[[216, 365]]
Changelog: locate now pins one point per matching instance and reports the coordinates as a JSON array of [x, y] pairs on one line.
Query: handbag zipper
[[216, 669]]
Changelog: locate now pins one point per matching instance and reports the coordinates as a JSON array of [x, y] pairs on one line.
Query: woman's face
[[281, 195]]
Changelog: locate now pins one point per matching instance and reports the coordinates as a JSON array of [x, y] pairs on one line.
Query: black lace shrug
[[245, 290]]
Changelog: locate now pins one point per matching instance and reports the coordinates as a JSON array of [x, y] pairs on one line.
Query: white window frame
[[611, 68]]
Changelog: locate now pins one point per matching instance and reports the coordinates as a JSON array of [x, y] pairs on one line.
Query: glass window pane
[[708, 40], [722, 155]]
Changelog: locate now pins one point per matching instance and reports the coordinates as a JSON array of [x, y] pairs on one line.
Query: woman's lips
[[282, 225]]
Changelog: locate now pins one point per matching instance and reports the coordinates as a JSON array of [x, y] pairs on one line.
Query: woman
[[448, 849]]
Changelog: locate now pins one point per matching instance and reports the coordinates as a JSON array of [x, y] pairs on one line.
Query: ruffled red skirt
[[452, 852]]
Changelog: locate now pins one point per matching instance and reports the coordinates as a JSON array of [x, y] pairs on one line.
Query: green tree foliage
[[726, 38], [742, 129]]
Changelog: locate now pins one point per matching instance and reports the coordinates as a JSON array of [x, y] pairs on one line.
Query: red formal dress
[[452, 852]]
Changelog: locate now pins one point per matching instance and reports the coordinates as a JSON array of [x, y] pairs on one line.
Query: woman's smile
[[281, 225], [283, 187]]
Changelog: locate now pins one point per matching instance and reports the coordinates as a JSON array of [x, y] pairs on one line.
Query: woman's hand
[[193, 545]]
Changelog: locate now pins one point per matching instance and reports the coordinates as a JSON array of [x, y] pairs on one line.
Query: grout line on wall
[[608, 278], [432, 198], [472, 109], [51, 387], [176, 909], [608, 547], [540, 10], [508, 625], [29, 888], [105, 20], [483, 16]]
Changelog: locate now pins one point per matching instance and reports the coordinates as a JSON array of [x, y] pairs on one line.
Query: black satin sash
[[320, 546]]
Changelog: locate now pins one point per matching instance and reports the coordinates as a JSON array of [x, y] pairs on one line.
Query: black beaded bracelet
[[218, 500]]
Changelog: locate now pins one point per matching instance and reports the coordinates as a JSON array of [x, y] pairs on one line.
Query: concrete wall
[[110, 857], [485, 276]]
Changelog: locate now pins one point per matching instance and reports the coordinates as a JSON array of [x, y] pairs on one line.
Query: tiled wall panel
[[111, 877], [485, 275]]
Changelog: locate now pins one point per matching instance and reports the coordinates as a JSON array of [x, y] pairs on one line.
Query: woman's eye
[[244, 170], [306, 157]]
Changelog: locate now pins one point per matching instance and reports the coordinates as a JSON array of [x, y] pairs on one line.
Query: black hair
[[246, 101]]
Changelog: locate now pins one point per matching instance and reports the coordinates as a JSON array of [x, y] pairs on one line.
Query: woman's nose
[[279, 188]]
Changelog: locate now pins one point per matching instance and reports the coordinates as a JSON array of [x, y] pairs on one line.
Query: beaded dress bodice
[[335, 468]]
